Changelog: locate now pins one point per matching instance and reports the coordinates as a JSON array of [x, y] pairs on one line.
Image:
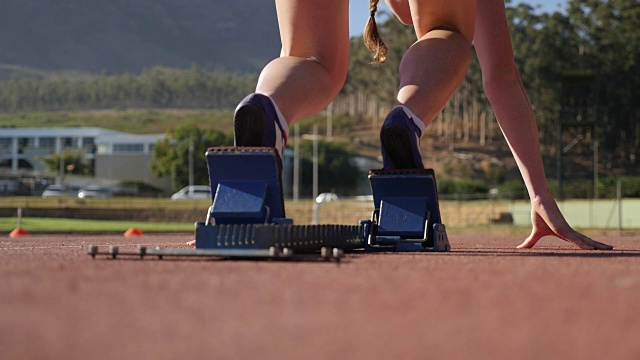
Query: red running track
[[484, 300]]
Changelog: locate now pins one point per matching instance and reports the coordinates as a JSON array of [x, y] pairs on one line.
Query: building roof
[[57, 132], [100, 135], [122, 138]]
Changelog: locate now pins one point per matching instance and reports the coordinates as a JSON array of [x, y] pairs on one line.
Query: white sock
[[415, 119], [281, 119], [281, 138]]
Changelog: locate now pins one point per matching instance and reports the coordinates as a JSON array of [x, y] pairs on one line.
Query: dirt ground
[[484, 300]]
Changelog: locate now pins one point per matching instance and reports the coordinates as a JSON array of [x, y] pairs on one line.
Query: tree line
[[156, 87]]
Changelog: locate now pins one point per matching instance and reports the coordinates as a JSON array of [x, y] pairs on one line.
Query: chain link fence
[[456, 210]]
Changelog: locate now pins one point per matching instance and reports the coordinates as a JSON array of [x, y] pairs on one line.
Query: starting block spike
[[407, 213]]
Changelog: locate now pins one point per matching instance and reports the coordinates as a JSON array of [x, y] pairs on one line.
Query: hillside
[[127, 36]]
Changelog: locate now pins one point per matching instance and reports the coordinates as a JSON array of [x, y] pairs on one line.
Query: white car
[[193, 192], [94, 191]]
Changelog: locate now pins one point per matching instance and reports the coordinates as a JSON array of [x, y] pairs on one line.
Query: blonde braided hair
[[371, 36]]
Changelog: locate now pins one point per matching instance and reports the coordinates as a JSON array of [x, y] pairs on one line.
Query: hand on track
[[548, 221]]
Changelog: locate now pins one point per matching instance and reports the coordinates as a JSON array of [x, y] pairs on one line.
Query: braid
[[372, 39]]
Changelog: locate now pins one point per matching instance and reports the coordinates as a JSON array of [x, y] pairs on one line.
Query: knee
[[337, 75]]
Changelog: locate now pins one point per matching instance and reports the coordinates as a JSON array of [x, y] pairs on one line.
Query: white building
[[126, 157], [116, 155]]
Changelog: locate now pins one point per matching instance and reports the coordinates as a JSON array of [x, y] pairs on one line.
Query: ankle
[[281, 119], [416, 120]]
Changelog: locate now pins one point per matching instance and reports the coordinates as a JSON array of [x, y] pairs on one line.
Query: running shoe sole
[[396, 142], [249, 125]]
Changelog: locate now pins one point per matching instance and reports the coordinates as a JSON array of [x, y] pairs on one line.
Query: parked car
[[326, 197], [54, 190], [94, 191], [193, 192]]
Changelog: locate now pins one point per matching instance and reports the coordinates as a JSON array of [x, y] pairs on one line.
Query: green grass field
[[136, 121], [53, 225], [108, 203]]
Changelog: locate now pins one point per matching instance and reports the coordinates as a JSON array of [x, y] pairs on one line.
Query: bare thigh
[[316, 29]]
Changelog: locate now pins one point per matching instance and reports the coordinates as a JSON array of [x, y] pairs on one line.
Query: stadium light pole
[[296, 163], [330, 120], [190, 162], [316, 207]]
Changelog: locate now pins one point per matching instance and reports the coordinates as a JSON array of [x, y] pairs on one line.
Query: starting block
[[406, 215], [247, 211], [247, 216]]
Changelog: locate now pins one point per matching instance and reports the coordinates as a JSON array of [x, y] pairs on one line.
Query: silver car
[[54, 190], [193, 192]]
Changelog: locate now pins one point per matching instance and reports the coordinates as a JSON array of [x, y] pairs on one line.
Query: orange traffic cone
[[18, 232], [133, 232]]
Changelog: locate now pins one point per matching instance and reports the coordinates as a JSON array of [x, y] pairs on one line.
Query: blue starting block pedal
[[407, 214], [247, 211], [246, 185]]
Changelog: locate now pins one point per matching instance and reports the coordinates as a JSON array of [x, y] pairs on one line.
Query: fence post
[[619, 198], [19, 218], [591, 212]]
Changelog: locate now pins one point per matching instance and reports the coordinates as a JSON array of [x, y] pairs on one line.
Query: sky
[[359, 11]]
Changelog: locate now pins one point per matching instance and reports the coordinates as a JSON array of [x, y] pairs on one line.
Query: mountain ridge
[[127, 36]]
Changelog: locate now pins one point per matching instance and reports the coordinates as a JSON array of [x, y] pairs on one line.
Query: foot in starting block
[[257, 121], [407, 214]]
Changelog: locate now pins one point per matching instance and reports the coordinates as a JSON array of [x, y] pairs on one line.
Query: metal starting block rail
[[302, 238], [160, 253]]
